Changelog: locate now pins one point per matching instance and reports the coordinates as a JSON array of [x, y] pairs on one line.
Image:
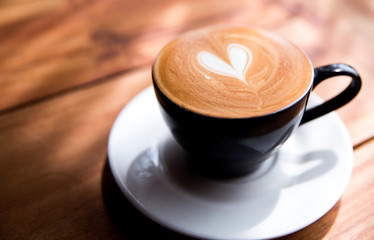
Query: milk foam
[[240, 59], [232, 72]]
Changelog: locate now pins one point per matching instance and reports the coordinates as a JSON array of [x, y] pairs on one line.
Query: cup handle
[[328, 71]]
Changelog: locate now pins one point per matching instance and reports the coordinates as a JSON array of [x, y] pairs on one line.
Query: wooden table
[[67, 67]]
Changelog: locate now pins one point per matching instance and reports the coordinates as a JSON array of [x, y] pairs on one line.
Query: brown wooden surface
[[67, 67]]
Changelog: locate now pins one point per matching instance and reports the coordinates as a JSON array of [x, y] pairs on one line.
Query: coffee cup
[[231, 96]]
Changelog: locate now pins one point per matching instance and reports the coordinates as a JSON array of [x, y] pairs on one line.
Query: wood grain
[[67, 44], [355, 219], [67, 67], [71, 43], [51, 178]]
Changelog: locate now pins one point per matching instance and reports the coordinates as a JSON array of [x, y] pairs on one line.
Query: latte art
[[240, 59], [232, 72]]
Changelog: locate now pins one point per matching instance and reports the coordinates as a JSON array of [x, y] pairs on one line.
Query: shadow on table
[[132, 224]]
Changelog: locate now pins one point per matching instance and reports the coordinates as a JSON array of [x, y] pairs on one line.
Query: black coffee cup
[[225, 147]]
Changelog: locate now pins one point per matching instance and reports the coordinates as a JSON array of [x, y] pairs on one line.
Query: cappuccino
[[232, 72]]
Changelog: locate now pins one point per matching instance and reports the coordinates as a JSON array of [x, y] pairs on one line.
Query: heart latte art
[[232, 72], [240, 59]]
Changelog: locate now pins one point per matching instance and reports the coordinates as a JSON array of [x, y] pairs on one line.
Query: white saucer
[[289, 192]]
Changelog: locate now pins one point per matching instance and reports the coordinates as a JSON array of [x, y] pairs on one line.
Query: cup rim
[[307, 91]]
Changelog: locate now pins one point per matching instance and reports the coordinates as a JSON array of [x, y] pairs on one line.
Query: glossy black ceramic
[[233, 147]]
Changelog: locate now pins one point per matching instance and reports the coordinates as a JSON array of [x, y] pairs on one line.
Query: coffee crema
[[232, 72]]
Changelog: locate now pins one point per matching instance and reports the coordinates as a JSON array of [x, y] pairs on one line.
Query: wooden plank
[[52, 156], [51, 159], [52, 152], [356, 215], [335, 32], [55, 151], [70, 43]]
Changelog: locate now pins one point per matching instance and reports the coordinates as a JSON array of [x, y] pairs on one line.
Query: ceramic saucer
[[290, 191]]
